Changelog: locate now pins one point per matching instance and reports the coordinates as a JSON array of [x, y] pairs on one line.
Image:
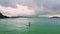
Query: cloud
[[49, 6], [8, 3], [20, 10], [40, 6], [52, 5]]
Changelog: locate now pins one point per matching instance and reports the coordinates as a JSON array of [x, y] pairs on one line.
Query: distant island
[[55, 17], [3, 16]]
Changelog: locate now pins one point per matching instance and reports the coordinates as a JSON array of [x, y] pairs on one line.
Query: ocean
[[30, 26]]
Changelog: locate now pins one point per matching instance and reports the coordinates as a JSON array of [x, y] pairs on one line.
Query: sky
[[29, 7]]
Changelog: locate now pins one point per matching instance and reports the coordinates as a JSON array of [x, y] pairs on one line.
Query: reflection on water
[[19, 24], [15, 23], [30, 26]]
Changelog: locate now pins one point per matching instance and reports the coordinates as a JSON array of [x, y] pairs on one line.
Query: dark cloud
[[8, 3], [43, 12], [53, 7]]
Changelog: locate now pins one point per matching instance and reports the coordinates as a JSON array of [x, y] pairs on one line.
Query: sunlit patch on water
[[19, 24]]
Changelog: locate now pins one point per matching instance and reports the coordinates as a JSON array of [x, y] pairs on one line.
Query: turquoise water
[[37, 26]]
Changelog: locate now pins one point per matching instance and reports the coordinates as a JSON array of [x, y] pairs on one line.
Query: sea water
[[30, 26]]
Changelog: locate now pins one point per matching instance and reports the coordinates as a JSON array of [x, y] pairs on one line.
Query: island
[[55, 17], [2, 16]]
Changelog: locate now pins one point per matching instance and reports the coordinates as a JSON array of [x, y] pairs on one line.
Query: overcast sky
[[29, 7]]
